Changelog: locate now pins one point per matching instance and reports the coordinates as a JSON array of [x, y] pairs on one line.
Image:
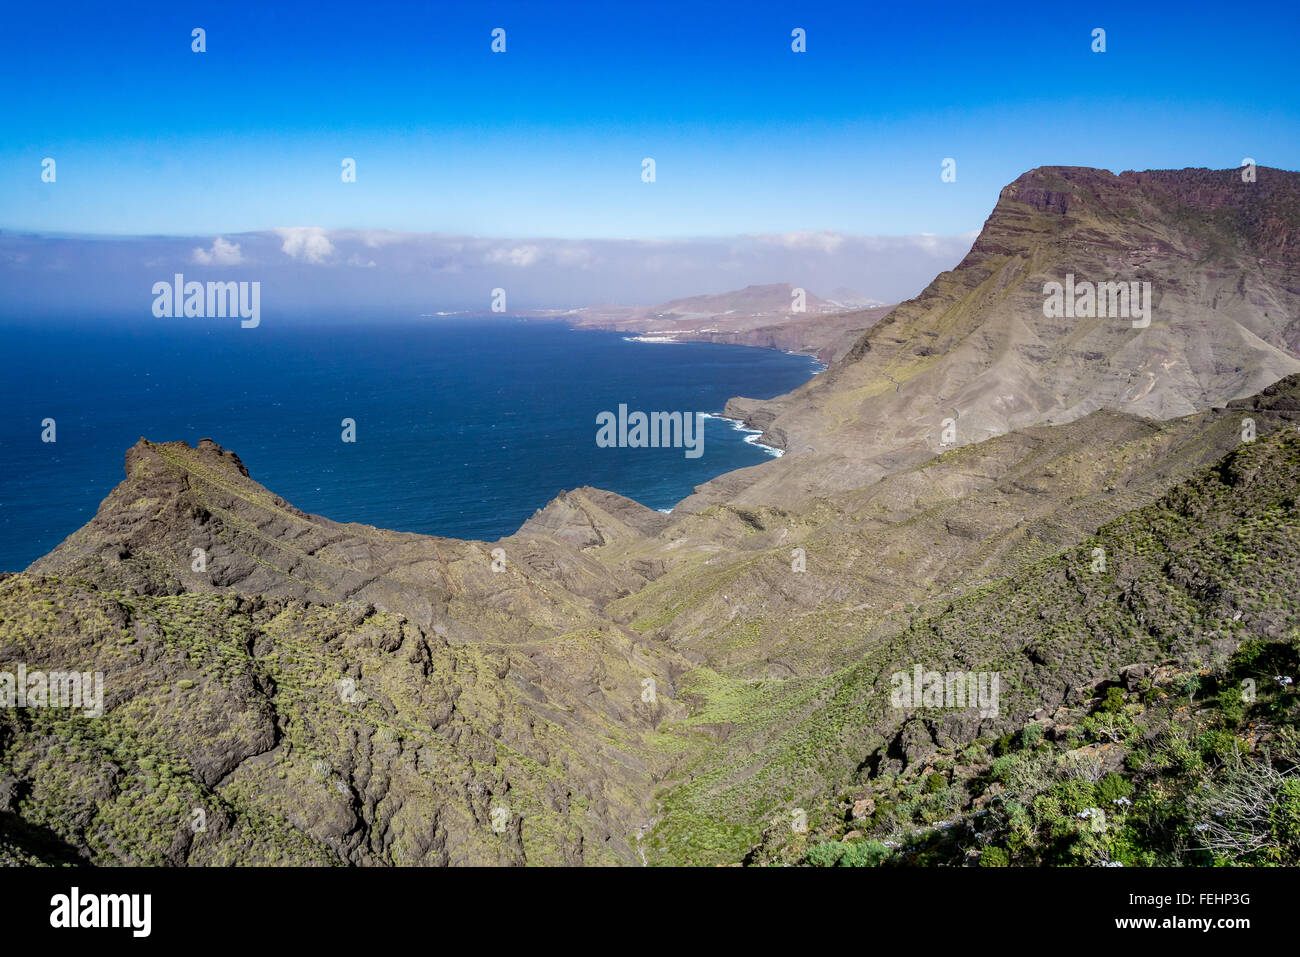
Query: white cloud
[[573, 255], [826, 240], [222, 253], [514, 256], [934, 244], [377, 238], [307, 243]]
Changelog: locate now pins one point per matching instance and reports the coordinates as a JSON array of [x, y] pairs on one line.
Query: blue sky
[[547, 139]]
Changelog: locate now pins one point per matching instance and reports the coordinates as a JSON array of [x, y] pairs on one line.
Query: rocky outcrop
[[589, 517]]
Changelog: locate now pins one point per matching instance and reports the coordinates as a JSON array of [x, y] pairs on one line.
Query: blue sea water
[[464, 426]]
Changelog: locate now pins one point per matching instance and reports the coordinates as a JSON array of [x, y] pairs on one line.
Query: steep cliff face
[[975, 355]]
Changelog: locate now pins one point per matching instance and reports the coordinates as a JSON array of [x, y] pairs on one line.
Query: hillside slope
[[1188, 579]]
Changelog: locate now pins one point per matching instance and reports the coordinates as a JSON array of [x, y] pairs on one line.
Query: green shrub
[[1219, 745], [1230, 706], [1074, 795], [995, 857], [825, 855], [1002, 768], [1030, 735], [1046, 809], [1112, 702], [1111, 788], [855, 854], [1249, 653], [864, 854], [1285, 818], [1184, 758], [1125, 846]]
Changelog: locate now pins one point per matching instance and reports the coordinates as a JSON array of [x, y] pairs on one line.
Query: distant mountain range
[[1102, 513], [774, 316]]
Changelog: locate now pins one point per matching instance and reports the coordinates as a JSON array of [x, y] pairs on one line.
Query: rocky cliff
[[975, 356]]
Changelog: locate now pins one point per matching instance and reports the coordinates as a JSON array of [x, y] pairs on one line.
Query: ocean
[[464, 426]]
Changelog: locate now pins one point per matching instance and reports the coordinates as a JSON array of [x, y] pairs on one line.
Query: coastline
[[427, 457], [752, 435], [826, 334], [738, 422]]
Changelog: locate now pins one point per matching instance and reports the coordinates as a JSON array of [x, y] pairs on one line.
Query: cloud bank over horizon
[[337, 273]]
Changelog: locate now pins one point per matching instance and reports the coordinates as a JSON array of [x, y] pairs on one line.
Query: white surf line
[[751, 437]]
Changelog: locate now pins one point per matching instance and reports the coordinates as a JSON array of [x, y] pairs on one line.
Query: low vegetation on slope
[[1167, 765], [254, 731], [1188, 580]]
